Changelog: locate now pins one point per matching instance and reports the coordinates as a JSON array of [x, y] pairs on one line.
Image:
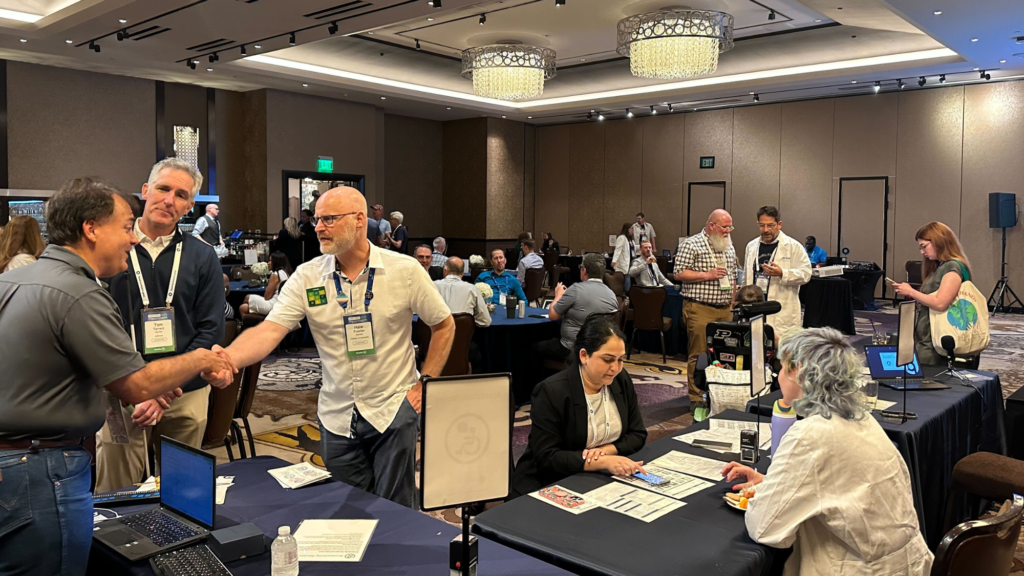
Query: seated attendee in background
[[424, 257], [229, 312], [548, 242], [837, 490], [575, 304], [280, 270], [290, 242], [438, 255], [398, 239], [816, 253], [529, 260], [502, 282], [944, 268], [777, 264], [21, 243], [518, 248], [594, 394], [207, 227], [645, 271], [626, 250], [462, 297], [311, 244]]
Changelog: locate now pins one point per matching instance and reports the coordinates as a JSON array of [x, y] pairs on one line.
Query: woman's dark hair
[[278, 261], [625, 230], [79, 201], [595, 332]]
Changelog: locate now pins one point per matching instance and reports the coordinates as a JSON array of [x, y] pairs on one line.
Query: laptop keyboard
[[191, 561], [159, 527]]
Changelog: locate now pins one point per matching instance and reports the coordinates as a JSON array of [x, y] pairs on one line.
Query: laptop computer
[[184, 516], [882, 364]]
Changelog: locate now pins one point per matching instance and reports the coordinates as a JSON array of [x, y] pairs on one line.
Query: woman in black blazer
[[585, 418]]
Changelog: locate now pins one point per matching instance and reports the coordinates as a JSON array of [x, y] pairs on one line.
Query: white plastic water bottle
[[284, 554]]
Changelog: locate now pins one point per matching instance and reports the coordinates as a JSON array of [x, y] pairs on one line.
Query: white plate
[[733, 505]]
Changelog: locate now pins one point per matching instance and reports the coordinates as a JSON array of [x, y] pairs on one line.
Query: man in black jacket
[[171, 300]]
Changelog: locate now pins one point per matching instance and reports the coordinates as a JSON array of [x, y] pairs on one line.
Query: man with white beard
[[706, 267]]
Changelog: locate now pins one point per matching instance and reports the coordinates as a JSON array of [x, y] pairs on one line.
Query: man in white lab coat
[[779, 265]]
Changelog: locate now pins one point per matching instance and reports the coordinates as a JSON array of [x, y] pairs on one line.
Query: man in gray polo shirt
[[63, 337], [573, 305]]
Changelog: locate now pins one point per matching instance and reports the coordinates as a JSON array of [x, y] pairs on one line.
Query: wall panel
[[623, 175], [552, 198], [185, 105], [530, 181], [464, 176], [755, 173], [412, 172], [929, 156], [505, 165], [805, 187], [586, 189], [663, 192]]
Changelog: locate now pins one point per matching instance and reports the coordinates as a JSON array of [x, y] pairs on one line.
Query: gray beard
[[338, 246], [720, 243]]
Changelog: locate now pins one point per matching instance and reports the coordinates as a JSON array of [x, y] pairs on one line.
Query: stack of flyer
[[299, 475]]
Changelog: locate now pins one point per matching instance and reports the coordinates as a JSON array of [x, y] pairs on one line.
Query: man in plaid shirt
[[706, 267]]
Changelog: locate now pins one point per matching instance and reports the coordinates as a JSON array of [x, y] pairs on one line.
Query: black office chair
[[981, 546]]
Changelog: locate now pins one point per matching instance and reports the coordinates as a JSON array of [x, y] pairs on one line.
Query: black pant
[[551, 350]]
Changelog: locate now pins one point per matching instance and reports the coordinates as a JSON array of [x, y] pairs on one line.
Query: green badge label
[[316, 296]]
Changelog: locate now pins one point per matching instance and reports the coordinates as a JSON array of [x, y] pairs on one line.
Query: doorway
[[302, 188], [702, 198], [863, 230]]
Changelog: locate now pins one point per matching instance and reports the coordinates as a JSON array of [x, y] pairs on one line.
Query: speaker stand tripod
[[996, 302]]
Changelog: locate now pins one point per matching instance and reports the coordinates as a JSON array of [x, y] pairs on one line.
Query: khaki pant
[[120, 465], [698, 316]]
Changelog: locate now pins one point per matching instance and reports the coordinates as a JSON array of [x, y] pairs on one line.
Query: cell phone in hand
[[652, 479], [889, 280]]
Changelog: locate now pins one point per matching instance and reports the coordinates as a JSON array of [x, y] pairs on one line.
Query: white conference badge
[[158, 323], [359, 335]]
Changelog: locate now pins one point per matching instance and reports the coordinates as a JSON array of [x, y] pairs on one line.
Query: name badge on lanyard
[[762, 280], [157, 323], [358, 327]]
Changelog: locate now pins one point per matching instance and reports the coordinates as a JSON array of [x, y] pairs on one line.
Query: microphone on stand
[[949, 345]]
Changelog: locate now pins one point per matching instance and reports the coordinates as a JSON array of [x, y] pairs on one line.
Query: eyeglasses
[[767, 226], [724, 228], [329, 219], [922, 247]]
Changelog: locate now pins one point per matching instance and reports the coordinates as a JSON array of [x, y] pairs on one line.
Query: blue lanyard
[[343, 299], [504, 281]]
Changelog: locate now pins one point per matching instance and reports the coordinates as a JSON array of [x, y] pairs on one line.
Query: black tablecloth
[[950, 425], [702, 537], [828, 302], [507, 346], [1015, 424], [863, 283], [404, 542]]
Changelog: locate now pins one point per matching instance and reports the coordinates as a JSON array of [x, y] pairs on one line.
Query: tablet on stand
[[905, 349], [758, 382]]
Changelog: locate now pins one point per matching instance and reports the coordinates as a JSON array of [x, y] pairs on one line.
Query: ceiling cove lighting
[[674, 43], [20, 16], [652, 89], [508, 71]]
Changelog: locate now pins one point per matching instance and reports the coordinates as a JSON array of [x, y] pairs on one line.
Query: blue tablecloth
[[703, 537], [675, 338], [950, 425], [404, 542]]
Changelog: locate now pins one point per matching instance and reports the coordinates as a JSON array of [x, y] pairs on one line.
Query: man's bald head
[[348, 207], [343, 198], [212, 209], [718, 228], [454, 266]]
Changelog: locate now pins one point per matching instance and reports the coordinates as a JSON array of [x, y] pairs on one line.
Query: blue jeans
[[45, 506], [381, 463], [626, 286]]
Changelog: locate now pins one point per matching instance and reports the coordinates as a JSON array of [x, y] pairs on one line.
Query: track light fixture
[[653, 110], [900, 84], [590, 115], [670, 108], [771, 15], [559, 3], [213, 58], [192, 64], [878, 86], [921, 81], [291, 38], [244, 52], [417, 44], [942, 78], [985, 76], [95, 47], [333, 28], [435, 3], [757, 98], [120, 35], [483, 18], [629, 113]]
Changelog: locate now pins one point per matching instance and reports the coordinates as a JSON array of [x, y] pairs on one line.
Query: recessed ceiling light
[[1002, 61], [449, 108], [937, 12], [751, 93], [974, 39], [122, 21], [818, 20], [304, 85], [853, 82], [257, 46], [68, 41], [529, 117], [370, 33], [383, 97], [583, 59], [209, 69], [976, 68], [430, 19], [24, 40], [503, 116], [19, 16], [916, 56]]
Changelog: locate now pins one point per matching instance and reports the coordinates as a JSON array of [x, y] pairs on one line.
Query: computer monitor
[[882, 362], [187, 481], [757, 362]]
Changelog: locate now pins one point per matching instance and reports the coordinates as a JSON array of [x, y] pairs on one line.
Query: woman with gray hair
[[837, 490]]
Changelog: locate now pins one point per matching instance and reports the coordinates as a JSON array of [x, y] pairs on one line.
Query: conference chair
[[223, 402], [458, 358], [511, 259], [913, 268], [248, 391], [981, 546], [647, 305], [563, 250], [555, 271], [616, 281], [984, 475], [625, 312], [534, 287], [474, 273], [662, 263]]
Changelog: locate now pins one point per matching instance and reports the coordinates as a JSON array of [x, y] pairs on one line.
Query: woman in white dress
[[837, 490], [280, 270], [20, 244]]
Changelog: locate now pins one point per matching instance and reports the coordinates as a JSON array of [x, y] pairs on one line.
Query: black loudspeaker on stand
[[1002, 213]]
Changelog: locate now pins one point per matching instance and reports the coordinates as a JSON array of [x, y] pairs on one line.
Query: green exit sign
[[324, 164], [707, 161]]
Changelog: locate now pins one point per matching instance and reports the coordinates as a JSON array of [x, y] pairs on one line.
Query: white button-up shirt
[[376, 384], [464, 298], [152, 245]]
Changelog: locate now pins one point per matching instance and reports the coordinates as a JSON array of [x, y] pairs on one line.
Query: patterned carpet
[[284, 410]]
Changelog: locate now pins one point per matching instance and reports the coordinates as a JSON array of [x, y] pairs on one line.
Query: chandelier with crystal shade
[[675, 42], [508, 71]]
